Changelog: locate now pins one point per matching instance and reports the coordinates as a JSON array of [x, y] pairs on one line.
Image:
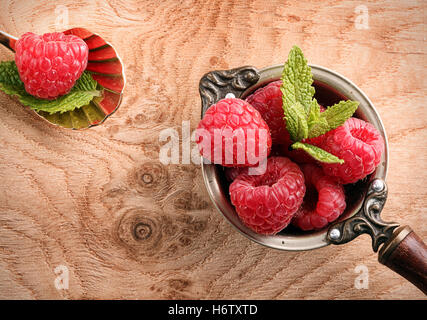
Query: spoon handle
[[7, 40], [402, 250], [406, 254]]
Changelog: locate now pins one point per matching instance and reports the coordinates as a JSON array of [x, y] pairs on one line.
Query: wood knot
[[189, 201], [213, 60], [179, 284], [147, 178], [154, 237], [218, 62], [140, 230], [293, 18], [153, 113], [150, 178]]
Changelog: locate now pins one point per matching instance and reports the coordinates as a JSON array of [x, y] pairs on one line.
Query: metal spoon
[[106, 68]]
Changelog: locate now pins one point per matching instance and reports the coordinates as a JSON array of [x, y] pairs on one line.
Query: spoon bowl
[[106, 68]]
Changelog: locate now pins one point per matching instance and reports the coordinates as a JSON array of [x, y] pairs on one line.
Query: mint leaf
[[331, 118], [84, 90], [297, 80], [301, 110], [318, 127], [317, 153], [316, 124], [314, 113], [337, 114], [297, 94], [296, 122], [9, 74]]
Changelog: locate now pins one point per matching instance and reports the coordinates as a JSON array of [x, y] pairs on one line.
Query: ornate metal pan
[[106, 68], [366, 199]]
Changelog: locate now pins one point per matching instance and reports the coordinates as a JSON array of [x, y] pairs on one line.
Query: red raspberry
[[358, 143], [266, 203], [232, 173], [324, 200], [268, 101], [233, 133], [50, 64]]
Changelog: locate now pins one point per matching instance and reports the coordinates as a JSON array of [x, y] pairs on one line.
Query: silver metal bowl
[[241, 82]]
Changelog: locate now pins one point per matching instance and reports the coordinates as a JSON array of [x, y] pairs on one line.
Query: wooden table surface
[[75, 198]]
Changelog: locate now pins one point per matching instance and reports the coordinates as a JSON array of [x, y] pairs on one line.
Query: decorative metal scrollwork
[[215, 85], [367, 220]]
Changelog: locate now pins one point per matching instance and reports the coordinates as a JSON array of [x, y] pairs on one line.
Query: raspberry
[[50, 64], [268, 101], [232, 173], [266, 203], [358, 143], [324, 200], [233, 133]]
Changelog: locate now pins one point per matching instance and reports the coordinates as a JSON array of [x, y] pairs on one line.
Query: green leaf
[[297, 80], [301, 110], [84, 90], [314, 113], [318, 127], [296, 122], [316, 124], [337, 114], [9, 74], [331, 118], [317, 153]]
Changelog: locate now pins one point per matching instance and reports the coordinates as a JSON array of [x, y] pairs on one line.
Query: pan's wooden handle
[[402, 250], [406, 254], [7, 40]]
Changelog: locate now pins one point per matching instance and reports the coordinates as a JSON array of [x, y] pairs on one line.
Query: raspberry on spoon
[[50, 64]]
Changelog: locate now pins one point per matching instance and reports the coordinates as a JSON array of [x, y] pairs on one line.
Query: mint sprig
[[297, 81], [337, 114], [302, 112], [84, 90], [296, 122], [317, 153]]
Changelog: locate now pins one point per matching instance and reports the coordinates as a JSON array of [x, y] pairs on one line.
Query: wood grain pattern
[[126, 226]]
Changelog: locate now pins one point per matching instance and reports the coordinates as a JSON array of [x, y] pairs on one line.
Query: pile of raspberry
[[285, 187]]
